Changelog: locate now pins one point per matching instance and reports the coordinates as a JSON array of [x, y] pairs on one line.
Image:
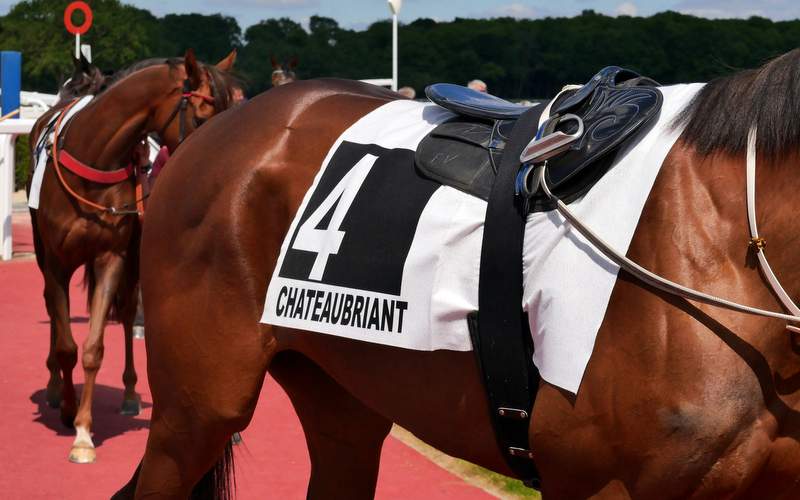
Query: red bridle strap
[[86, 172], [207, 98]]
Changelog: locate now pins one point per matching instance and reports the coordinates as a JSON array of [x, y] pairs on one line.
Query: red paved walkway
[[273, 463]]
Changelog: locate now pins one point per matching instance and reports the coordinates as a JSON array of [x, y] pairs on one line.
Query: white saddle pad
[[379, 254], [43, 148]]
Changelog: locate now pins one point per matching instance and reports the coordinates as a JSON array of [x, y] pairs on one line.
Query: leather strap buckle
[[520, 453], [544, 147], [512, 413]]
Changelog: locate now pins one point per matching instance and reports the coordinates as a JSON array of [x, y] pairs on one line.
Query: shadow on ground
[[107, 421]]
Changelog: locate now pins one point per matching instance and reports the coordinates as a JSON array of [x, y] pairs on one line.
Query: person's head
[[407, 92], [478, 85], [237, 95]]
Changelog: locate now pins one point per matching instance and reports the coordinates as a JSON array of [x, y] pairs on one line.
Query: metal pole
[[77, 47], [394, 52]]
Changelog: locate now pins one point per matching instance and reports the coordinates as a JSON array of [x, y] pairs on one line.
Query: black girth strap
[[502, 340]]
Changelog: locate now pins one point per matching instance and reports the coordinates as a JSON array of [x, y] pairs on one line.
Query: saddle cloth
[[41, 152], [379, 253]]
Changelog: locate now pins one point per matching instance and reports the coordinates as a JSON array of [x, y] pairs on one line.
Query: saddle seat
[[601, 116], [467, 102]]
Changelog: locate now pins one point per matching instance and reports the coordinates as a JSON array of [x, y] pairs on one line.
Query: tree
[[281, 38], [120, 35], [212, 37]]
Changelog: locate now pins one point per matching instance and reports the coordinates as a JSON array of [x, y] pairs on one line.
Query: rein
[[62, 157], [665, 285]]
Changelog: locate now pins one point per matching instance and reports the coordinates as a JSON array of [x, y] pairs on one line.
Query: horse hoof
[[131, 407], [82, 454], [236, 439], [138, 332]]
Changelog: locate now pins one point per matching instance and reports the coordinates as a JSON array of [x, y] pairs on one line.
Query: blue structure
[[10, 80]]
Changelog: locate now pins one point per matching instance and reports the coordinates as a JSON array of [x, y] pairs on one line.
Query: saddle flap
[[457, 154], [612, 116], [467, 102]]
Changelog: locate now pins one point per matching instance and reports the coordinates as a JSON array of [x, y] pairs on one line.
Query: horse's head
[[86, 79], [283, 73], [199, 92]]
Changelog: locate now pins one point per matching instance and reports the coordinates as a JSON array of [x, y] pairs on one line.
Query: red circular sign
[[87, 22]]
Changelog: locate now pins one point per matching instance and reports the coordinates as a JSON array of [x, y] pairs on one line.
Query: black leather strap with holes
[[500, 333]]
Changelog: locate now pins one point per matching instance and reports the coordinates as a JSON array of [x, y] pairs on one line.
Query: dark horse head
[[283, 73], [86, 79]]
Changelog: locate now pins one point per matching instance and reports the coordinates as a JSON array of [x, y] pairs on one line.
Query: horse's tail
[[129, 490], [219, 483], [122, 301]]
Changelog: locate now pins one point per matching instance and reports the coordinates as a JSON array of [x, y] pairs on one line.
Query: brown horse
[[678, 400], [70, 231], [283, 73]]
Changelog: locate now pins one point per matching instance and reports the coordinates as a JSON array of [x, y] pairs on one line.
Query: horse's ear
[[227, 63], [84, 64], [275, 64], [293, 63], [193, 71]]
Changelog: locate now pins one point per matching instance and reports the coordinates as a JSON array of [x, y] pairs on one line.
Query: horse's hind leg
[[344, 437], [63, 351], [55, 384], [128, 301], [206, 364], [107, 270]]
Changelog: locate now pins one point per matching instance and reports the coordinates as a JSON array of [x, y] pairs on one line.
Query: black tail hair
[[219, 483]]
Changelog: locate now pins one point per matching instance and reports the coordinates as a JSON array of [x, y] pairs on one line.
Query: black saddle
[[467, 102], [612, 107]]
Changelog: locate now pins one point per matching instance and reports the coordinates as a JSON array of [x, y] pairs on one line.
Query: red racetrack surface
[[272, 462]]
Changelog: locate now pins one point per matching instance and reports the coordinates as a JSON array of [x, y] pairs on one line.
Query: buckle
[[512, 413], [542, 148], [520, 452]]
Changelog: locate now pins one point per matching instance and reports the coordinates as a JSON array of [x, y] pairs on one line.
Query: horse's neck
[[694, 231], [103, 134]]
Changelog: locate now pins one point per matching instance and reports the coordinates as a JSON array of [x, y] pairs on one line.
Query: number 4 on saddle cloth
[[480, 153], [466, 153]]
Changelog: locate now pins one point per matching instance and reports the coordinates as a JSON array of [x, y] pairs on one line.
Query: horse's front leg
[[108, 270], [129, 296]]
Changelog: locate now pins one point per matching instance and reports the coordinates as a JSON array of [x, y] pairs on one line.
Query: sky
[[358, 14]]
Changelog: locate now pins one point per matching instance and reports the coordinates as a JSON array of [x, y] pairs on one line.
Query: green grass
[[493, 483]]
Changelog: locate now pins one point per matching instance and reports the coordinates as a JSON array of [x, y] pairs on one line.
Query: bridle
[[60, 156], [756, 242], [180, 108]]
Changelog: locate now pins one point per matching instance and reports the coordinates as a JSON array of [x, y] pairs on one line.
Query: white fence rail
[[9, 131]]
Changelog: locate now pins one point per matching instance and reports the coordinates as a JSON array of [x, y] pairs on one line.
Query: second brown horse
[[70, 231]]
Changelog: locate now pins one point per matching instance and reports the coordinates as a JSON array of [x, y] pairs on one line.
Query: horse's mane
[[720, 116], [222, 83]]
